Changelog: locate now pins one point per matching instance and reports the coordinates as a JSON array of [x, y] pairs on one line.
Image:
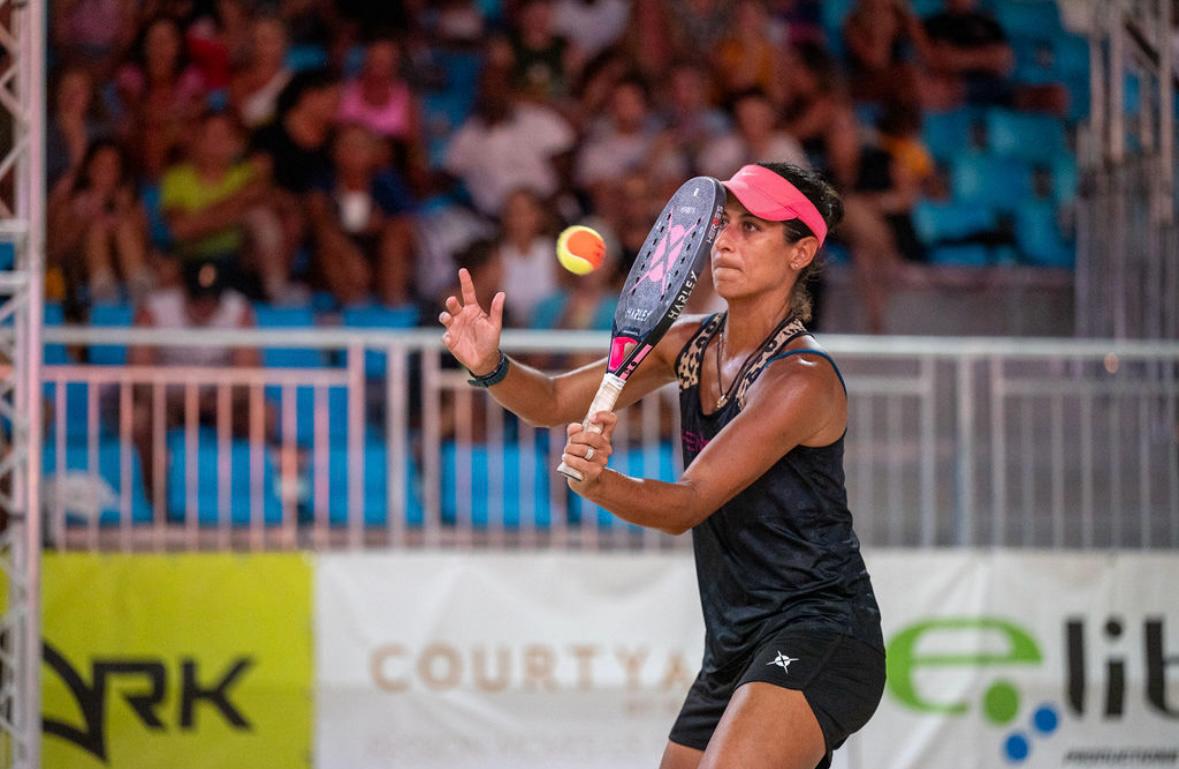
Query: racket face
[[665, 272]]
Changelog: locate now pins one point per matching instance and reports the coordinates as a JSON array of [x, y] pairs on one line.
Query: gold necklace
[[720, 343]]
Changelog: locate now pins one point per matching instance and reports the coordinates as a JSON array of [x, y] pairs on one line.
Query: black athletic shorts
[[842, 679]]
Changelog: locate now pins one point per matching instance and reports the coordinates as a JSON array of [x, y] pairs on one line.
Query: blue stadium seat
[[517, 501], [1028, 18], [833, 14], [110, 316], [301, 57], [334, 399], [1037, 233], [988, 180], [323, 302], [7, 254], [1032, 138], [1034, 61], [54, 354], [1064, 180], [270, 316], [241, 492], [158, 231], [75, 411], [969, 255], [379, 316], [84, 493], [946, 134], [375, 498], [1070, 55], [938, 221], [925, 8]]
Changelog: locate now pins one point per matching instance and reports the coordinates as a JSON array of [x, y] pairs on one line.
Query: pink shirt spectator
[[390, 119]]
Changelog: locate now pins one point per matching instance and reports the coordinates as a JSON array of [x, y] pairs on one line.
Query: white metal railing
[[976, 442]]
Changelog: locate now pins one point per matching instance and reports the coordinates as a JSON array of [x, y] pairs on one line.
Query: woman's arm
[[796, 402]]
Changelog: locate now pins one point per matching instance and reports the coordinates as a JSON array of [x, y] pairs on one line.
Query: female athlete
[[793, 660]]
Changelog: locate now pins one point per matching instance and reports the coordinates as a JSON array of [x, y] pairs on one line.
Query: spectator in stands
[[256, 86], [650, 41], [92, 33], [819, 113], [442, 231], [543, 62], [203, 300], [899, 128], [294, 148], [749, 55], [599, 77], [360, 222], [756, 137], [457, 24], [591, 25], [884, 39], [699, 25], [691, 118], [97, 232], [889, 188], [380, 99], [74, 122], [504, 146], [219, 40], [624, 141], [632, 204], [216, 207], [528, 251], [160, 95], [972, 61], [292, 151]]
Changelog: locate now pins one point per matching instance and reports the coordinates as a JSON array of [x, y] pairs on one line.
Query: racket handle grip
[[605, 399]]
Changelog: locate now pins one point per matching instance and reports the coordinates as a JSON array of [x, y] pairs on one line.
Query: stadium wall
[[995, 659]]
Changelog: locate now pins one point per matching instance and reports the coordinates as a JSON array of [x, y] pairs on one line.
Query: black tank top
[[781, 552]]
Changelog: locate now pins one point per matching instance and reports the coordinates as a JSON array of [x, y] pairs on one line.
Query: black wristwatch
[[495, 377]]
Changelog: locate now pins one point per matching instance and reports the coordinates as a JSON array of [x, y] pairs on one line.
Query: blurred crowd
[[209, 156]]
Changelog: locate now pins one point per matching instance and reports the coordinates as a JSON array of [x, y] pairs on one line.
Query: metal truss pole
[[22, 206]]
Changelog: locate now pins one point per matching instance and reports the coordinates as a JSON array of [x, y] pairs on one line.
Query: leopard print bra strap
[[769, 349], [687, 368]]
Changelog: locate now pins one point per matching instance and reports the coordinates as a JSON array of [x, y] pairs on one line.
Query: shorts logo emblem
[[782, 661]]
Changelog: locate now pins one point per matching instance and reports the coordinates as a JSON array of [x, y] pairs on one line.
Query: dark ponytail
[[830, 206]]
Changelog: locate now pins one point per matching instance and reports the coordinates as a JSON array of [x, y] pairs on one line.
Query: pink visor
[[768, 196]]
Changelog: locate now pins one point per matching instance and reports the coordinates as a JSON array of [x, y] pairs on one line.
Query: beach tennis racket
[[658, 286]]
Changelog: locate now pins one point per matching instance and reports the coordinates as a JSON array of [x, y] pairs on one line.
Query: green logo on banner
[[1001, 700]]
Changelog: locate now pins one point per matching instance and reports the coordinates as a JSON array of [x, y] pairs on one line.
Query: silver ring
[[589, 453]]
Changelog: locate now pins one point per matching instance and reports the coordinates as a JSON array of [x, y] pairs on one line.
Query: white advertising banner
[[523, 661]]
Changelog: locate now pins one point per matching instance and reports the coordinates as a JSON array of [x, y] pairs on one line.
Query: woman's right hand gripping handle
[[472, 335]]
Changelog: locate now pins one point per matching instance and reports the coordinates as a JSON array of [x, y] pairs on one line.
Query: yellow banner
[[177, 661]]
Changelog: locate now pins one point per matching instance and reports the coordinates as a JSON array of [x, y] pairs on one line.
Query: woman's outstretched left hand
[[587, 451]]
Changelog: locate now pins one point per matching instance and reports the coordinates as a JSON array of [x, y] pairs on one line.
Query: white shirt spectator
[[611, 156], [514, 154], [167, 309], [440, 233], [591, 26], [529, 276], [724, 155]]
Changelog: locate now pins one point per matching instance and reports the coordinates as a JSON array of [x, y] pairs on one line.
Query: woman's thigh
[[766, 727]]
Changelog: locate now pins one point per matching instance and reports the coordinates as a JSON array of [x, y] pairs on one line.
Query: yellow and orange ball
[[580, 249]]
